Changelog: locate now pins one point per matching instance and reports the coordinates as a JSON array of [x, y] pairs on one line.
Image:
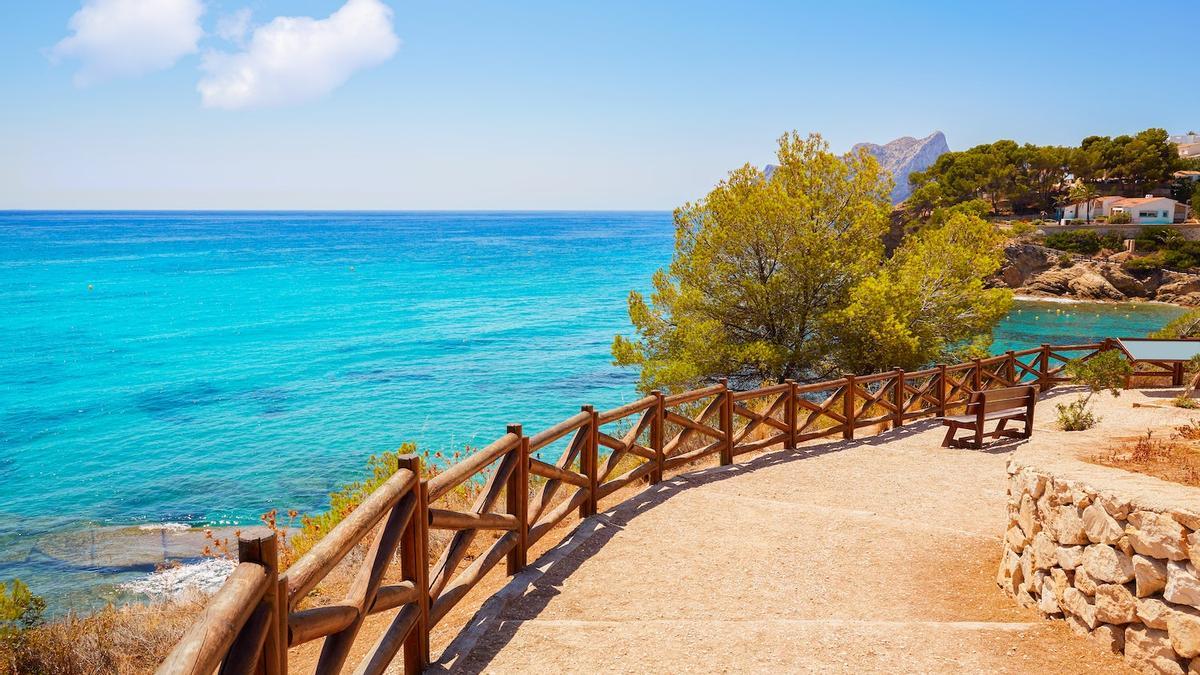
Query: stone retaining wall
[[1115, 554]]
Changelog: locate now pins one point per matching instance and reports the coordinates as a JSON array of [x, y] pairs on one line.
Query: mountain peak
[[904, 155]]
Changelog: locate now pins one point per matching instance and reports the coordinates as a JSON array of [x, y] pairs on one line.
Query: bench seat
[[1010, 404]]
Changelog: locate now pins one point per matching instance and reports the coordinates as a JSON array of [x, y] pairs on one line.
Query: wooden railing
[[252, 621]]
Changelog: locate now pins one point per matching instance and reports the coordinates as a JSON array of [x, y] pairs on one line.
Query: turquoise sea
[[201, 368]]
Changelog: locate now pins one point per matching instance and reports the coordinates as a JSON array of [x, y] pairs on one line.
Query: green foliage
[[1186, 326], [1185, 401], [1105, 371], [1146, 263], [345, 500], [1159, 237], [1029, 178], [927, 301], [1084, 242], [1120, 218], [787, 278], [1076, 416], [757, 263], [1196, 202], [20, 610], [1022, 228], [1170, 250]]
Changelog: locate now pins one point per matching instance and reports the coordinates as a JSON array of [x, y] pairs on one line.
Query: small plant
[[20, 612], [1120, 218], [1076, 416], [1022, 228], [1185, 401], [1106, 371]]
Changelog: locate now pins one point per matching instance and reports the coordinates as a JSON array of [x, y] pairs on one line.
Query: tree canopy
[[786, 277], [1032, 178]]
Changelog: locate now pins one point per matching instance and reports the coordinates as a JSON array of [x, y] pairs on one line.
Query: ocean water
[[202, 368]]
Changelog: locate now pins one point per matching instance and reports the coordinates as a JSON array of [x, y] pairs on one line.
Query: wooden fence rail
[[252, 621]]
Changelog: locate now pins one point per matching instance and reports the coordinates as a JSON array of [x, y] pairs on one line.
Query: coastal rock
[[1092, 286], [1022, 262]]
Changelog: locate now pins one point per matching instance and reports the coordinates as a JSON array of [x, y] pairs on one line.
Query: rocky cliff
[[906, 155], [1030, 269]]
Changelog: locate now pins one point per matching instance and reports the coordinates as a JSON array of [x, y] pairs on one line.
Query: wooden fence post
[[517, 495], [589, 461], [1011, 367], [848, 408], [790, 415], [1044, 369], [898, 399], [246, 655], [414, 566], [656, 435], [726, 424], [943, 390], [977, 375]]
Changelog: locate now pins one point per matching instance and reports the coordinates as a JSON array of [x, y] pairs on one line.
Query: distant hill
[[906, 155], [900, 157]]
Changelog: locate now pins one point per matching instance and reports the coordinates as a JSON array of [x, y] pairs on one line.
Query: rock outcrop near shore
[[1030, 269]]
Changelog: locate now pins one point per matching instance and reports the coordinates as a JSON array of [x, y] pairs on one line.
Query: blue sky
[[454, 104]]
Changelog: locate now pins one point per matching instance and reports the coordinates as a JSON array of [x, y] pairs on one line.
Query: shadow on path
[[527, 594]]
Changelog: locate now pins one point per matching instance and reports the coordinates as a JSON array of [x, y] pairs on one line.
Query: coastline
[[1070, 300]]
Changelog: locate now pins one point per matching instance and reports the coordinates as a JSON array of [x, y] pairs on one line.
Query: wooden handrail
[[251, 621]]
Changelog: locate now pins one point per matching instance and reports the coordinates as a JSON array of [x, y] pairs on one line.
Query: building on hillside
[[1188, 144], [1101, 206], [1149, 210]]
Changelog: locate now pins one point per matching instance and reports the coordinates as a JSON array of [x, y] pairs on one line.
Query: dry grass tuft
[[120, 640], [1175, 458]]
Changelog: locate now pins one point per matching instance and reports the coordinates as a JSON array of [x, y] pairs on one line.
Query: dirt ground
[[876, 555]]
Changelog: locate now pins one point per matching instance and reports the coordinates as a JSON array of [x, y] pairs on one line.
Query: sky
[[531, 104]]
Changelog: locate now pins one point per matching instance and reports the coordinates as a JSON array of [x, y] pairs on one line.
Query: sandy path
[[871, 555]]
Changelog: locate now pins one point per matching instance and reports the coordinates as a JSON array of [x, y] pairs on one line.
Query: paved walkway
[[870, 555]]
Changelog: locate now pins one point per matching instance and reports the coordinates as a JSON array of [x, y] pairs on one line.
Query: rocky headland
[[1034, 270]]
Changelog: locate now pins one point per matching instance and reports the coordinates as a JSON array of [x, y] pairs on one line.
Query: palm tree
[[1084, 193]]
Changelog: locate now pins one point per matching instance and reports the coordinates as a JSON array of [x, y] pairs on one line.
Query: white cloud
[[121, 38], [295, 59], [233, 27]]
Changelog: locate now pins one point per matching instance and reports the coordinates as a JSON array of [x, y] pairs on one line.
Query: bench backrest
[[1008, 398]]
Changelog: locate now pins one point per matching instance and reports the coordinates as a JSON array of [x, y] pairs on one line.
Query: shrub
[[1159, 237], [1076, 416], [1145, 263], [1022, 228], [1086, 242], [1066, 262], [1186, 326], [1185, 401], [1120, 218]]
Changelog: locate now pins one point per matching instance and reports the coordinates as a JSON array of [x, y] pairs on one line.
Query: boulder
[[1183, 627], [1048, 600], [1150, 575], [1062, 581], [1045, 553], [1117, 507], [1183, 586], [1110, 637], [1154, 612], [1080, 606], [1086, 582], [1015, 539], [1101, 528], [1193, 546], [1115, 604], [1027, 516], [1023, 261], [1066, 525], [1055, 281], [1149, 650], [1106, 563], [1157, 535], [1069, 557]]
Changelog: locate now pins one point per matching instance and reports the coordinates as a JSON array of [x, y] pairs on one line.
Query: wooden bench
[[1011, 404]]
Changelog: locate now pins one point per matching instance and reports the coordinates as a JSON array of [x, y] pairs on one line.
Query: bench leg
[[978, 443], [948, 441], [1000, 426]]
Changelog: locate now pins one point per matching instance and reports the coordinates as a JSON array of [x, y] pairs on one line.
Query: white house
[[1147, 210], [1152, 210], [1101, 206], [1188, 144]]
